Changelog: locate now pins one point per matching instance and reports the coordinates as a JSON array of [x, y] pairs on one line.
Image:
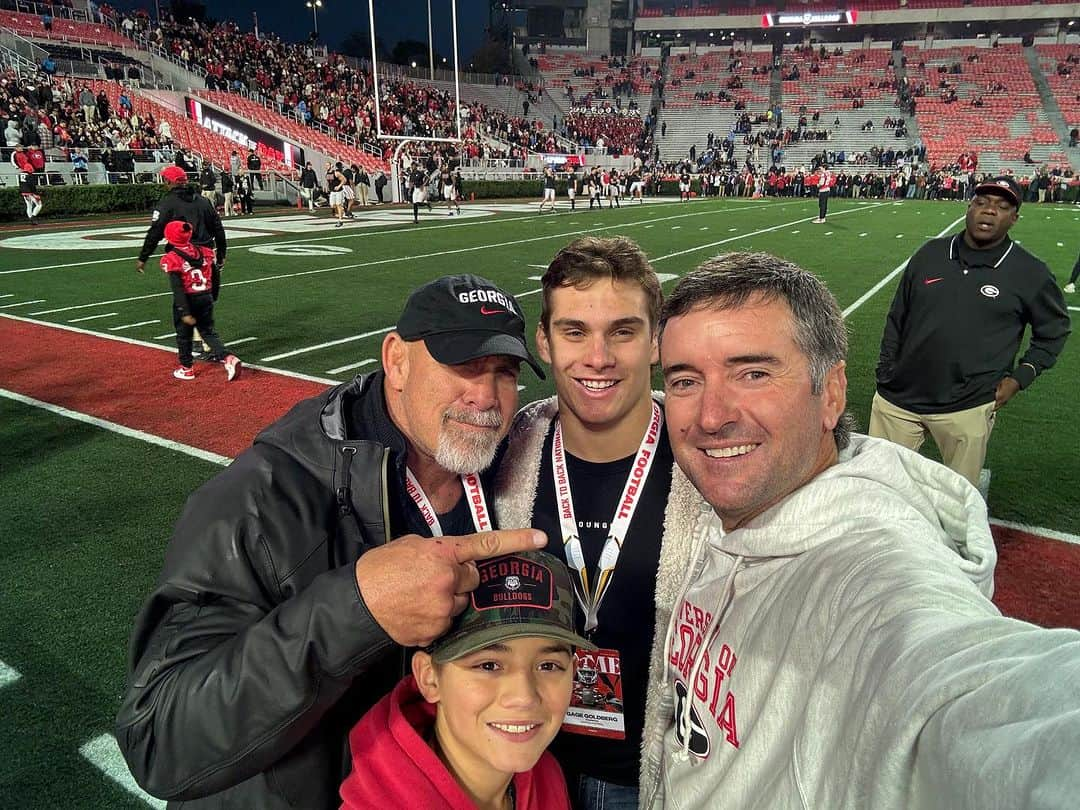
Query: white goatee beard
[[465, 451]]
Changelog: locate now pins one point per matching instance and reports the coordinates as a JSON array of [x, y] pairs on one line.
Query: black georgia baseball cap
[[463, 317], [1002, 186]]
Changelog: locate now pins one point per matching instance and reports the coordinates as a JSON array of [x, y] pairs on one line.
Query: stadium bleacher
[[1061, 66], [63, 30], [981, 99]]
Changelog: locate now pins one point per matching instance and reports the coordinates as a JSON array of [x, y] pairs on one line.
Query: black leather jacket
[[255, 653]]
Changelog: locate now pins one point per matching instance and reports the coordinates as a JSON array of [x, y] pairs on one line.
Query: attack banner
[[244, 134], [805, 18]]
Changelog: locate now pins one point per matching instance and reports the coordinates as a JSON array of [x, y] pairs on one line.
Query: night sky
[[395, 20]]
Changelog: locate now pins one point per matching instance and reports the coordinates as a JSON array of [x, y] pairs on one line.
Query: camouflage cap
[[524, 594]]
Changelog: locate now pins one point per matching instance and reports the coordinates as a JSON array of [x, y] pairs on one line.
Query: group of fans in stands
[[69, 122]]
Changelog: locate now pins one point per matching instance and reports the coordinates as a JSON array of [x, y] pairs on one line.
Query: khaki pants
[[362, 193], [961, 436], [228, 203]]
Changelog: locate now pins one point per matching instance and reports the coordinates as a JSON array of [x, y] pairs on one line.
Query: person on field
[[190, 269], [184, 202], [948, 361], [1070, 286], [469, 727], [549, 191], [299, 578]]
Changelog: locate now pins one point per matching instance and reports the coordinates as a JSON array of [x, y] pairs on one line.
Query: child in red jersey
[[191, 273]]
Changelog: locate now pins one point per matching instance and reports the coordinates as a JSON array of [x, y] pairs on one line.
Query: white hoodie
[[854, 660]]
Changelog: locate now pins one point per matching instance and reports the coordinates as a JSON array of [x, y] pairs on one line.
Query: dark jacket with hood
[[255, 654], [186, 203]]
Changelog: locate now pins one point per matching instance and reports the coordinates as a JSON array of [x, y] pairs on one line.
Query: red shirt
[[392, 766], [197, 278]]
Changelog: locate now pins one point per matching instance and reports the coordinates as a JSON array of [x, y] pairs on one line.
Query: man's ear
[[426, 676], [395, 360], [543, 346], [834, 395]]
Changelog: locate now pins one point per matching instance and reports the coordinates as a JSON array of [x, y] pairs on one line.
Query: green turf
[[86, 518], [87, 513]]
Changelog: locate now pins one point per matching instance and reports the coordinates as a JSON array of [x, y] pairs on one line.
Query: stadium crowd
[[66, 120], [339, 93]]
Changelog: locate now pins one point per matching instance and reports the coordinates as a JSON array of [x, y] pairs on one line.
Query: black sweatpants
[[1075, 271], [822, 204], [201, 306]]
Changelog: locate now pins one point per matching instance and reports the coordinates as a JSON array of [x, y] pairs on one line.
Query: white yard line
[[894, 273], [1053, 534], [23, 303], [92, 317], [756, 233], [132, 325], [352, 338], [69, 264], [299, 375], [391, 260], [104, 754], [131, 433], [351, 366], [7, 295], [8, 675], [395, 228], [242, 340], [328, 344]]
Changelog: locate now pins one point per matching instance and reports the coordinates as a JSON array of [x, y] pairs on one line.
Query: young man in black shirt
[[593, 469]]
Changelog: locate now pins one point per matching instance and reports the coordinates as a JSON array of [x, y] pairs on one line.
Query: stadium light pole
[[315, 5], [430, 44]]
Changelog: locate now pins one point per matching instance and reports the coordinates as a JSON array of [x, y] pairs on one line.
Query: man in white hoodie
[[833, 644]]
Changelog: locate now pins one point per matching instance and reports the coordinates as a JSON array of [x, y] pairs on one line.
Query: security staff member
[[184, 202], [955, 327]]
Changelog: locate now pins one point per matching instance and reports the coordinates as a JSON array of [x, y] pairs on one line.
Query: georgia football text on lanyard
[[474, 496], [590, 599]]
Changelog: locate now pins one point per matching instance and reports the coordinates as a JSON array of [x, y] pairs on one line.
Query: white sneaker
[[233, 367], [1069, 288]]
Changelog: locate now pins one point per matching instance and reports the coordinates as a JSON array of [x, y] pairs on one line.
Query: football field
[[89, 500]]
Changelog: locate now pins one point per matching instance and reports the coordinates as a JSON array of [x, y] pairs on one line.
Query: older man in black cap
[[297, 579], [948, 356]]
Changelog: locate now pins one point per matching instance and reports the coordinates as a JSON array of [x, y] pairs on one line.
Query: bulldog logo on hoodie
[[699, 738]]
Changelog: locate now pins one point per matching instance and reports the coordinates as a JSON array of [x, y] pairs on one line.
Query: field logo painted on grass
[[300, 250]]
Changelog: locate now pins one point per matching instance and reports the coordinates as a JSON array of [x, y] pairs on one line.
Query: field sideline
[[89, 508]]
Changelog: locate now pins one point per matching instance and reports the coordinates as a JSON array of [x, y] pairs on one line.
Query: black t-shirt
[[405, 518], [627, 614], [27, 183]]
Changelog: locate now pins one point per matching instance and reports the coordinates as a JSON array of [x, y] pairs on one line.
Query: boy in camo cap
[[469, 728]]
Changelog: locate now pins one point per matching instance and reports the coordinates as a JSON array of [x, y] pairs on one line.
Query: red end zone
[[132, 385]]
